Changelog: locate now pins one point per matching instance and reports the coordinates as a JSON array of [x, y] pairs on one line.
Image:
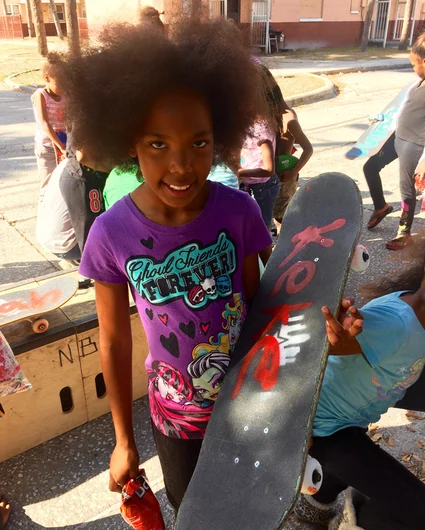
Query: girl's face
[[175, 150], [53, 85]]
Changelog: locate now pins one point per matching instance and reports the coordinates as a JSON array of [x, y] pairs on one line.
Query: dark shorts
[[286, 192], [178, 459]]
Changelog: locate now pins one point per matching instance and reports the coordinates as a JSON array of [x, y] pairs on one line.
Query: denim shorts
[[265, 193]]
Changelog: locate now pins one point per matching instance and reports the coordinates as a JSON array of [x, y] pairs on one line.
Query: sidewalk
[[288, 66]]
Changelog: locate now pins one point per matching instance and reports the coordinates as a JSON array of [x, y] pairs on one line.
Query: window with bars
[[13, 9], [311, 9]]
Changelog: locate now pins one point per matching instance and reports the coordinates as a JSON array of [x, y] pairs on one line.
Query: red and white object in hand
[[140, 508]]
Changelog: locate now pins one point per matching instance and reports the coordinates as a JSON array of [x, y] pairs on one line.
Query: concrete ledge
[[17, 86], [325, 92], [367, 68]]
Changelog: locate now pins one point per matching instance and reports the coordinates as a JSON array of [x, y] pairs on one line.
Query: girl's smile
[[178, 190]]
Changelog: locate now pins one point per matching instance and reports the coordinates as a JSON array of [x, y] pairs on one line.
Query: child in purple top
[[188, 248]]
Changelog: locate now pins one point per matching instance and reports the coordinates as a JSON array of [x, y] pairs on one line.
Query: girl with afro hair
[[173, 103]]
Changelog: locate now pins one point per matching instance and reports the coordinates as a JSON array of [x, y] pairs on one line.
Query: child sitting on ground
[[373, 361], [50, 136], [257, 172], [187, 247]]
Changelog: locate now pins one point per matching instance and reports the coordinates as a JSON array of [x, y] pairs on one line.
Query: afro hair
[[109, 90]]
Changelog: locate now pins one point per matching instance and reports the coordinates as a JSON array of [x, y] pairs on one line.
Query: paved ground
[[62, 484]]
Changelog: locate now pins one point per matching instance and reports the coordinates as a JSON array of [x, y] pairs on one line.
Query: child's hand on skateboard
[[342, 333], [123, 467]]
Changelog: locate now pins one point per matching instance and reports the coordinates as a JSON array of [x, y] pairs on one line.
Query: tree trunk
[[29, 19], [366, 25], [196, 9], [72, 27], [405, 32], [56, 19], [40, 30]]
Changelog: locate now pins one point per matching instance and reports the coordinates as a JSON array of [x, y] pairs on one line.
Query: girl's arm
[[268, 162], [307, 150], [251, 276], [40, 107], [116, 358]]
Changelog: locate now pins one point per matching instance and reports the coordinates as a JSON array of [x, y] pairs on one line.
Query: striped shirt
[[54, 110]]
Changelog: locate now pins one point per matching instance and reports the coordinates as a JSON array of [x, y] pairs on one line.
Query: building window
[[356, 6], [82, 10], [13, 9], [60, 10], [311, 9]]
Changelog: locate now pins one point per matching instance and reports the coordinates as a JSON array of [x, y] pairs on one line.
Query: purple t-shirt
[[187, 285]]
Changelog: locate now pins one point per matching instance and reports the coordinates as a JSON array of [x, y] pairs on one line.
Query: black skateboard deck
[[251, 465]]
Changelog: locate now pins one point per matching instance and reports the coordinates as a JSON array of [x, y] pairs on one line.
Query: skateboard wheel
[[361, 259], [40, 326], [313, 477]]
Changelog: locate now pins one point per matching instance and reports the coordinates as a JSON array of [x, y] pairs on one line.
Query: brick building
[[19, 8], [304, 23]]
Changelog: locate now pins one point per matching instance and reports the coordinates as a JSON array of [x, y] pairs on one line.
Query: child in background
[[187, 247], [224, 174], [374, 359], [257, 173], [50, 136], [287, 132], [290, 134], [71, 202], [121, 181], [410, 146]]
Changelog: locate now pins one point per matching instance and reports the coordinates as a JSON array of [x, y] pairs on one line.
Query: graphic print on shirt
[[193, 272], [397, 391], [211, 359], [181, 404], [172, 410]]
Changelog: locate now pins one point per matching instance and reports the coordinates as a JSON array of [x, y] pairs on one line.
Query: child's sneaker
[[347, 519], [309, 510]]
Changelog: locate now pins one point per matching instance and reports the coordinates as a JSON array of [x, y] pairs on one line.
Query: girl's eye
[[200, 143], [158, 145]]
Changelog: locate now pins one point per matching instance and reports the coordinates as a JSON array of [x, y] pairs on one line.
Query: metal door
[[260, 24], [380, 20]]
